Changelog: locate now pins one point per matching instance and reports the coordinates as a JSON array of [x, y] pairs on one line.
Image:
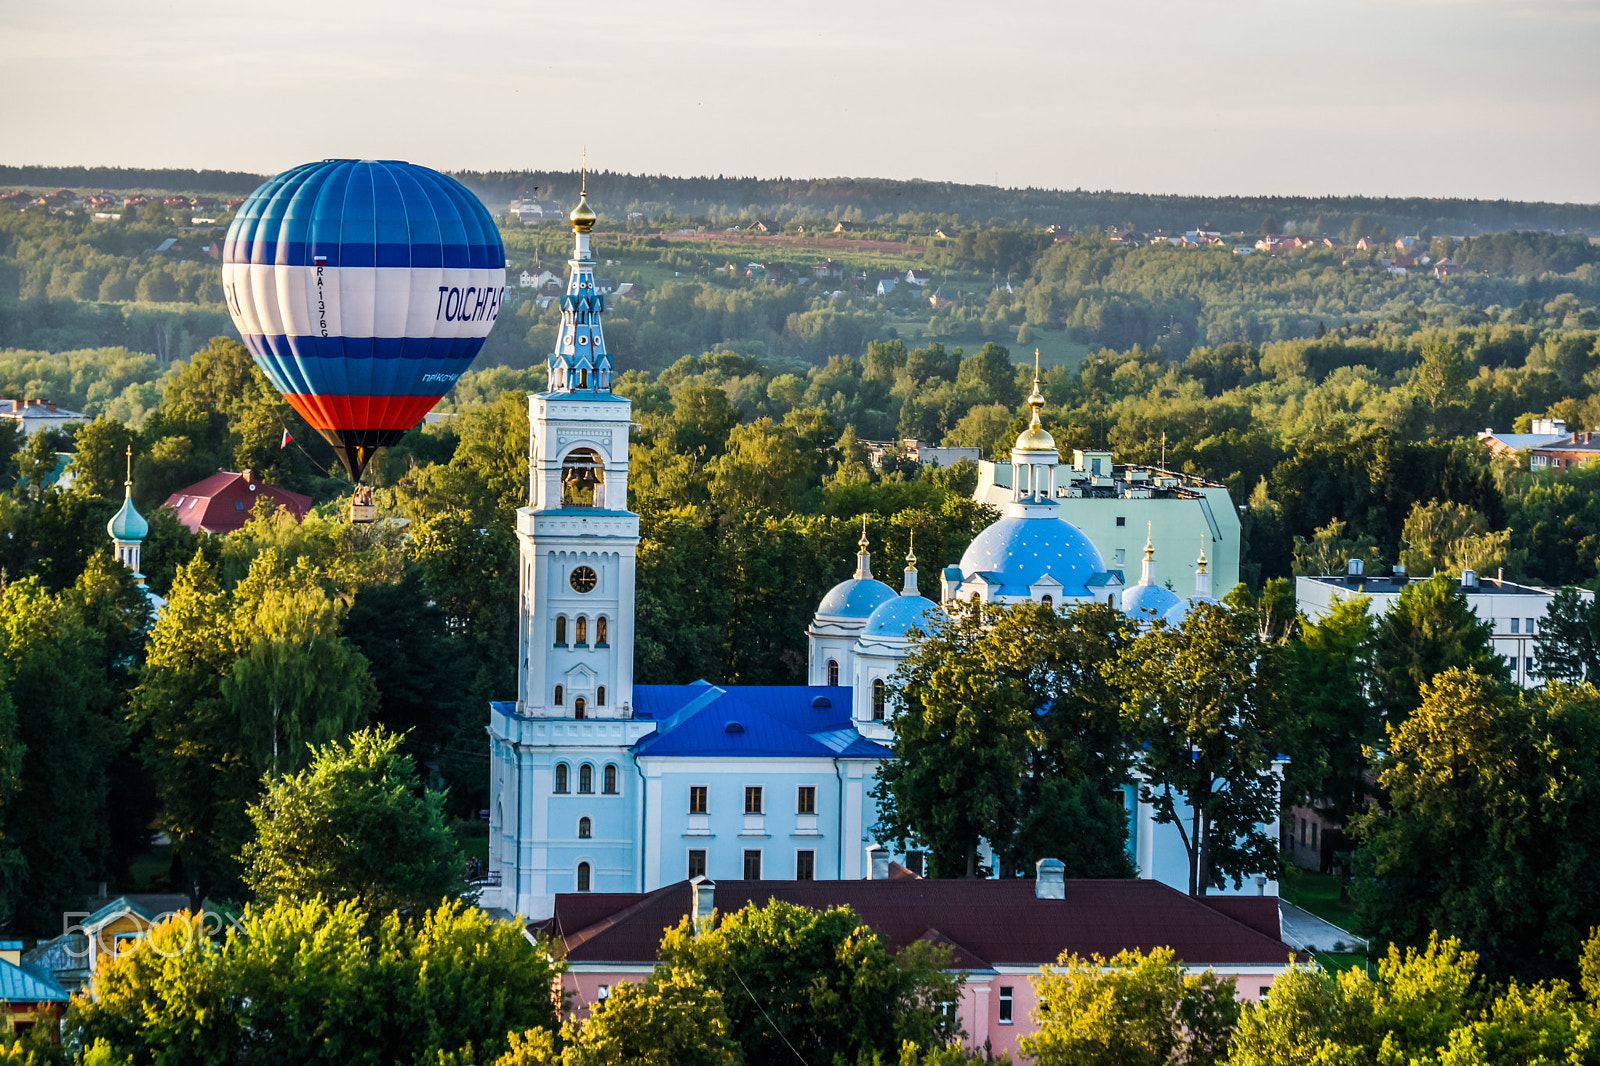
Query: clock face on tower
[[582, 580]]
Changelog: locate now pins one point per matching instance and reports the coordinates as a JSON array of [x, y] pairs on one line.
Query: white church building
[[601, 785]]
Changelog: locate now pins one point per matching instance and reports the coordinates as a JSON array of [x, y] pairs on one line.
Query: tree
[[66, 736], [1567, 646], [351, 826], [762, 466], [1329, 551], [99, 457], [1206, 698], [1132, 1009], [819, 984], [1423, 1006], [1011, 712], [235, 686], [991, 366], [1487, 823], [1330, 681], [317, 982], [1446, 537], [670, 1019], [1427, 630]]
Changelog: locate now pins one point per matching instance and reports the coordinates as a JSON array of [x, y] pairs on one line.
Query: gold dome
[[1036, 438], [583, 216]]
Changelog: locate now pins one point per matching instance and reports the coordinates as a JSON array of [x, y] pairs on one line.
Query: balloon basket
[[362, 510]]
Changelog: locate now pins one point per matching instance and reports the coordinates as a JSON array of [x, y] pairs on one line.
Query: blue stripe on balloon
[[362, 366], [364, 213]]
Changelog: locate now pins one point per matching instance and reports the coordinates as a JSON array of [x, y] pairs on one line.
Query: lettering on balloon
[[321, 262], [447, 378], [471, 304]]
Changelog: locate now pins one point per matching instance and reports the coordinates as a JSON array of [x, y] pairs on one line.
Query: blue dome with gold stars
[[1018, 551]]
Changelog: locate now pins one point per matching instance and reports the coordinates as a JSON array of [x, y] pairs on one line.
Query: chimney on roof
[[705, 902], [50, 406], [1050, 879], [1355, 567], [1469, 579], [248, 474], [877, 863]]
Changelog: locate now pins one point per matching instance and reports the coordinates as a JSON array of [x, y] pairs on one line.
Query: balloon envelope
[[363, 288]]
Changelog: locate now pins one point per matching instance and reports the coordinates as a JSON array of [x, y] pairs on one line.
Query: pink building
[[1000, 931]]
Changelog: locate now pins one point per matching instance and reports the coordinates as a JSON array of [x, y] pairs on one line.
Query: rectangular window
[[1313, 834], [1513, 661], [697, 864], [806, 800], [1528, 627], [752, 799], [1005, 1004], [1121, 519], [805, 866], [752, 865], [697, 799], [1516, 625]]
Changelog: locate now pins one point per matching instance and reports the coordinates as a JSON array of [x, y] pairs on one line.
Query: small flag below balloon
[[286, 440]]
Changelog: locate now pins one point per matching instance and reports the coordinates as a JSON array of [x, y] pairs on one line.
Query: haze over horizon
[[1457, 98]]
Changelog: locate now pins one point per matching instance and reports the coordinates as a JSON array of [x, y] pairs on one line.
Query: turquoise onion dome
[[128, 523]]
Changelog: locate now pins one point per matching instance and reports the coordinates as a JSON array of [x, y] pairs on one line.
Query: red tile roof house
[[222, 502], [1000, 931]]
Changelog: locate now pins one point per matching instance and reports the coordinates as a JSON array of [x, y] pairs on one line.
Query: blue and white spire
[[580, 362]]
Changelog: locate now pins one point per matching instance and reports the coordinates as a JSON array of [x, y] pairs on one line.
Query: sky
[[1469, 98]]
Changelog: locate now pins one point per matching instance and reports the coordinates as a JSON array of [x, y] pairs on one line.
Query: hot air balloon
[[363, 288]]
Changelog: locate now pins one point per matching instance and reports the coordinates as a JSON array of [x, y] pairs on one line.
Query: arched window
[[833, 672], [585, 829], [578, 709], [611, 779], [586, 778], [561, 777], [877, 700], [583, 631], [583, 877], [558, 696], [1048, 600], [561, 629], [600, 631], [600, 696]]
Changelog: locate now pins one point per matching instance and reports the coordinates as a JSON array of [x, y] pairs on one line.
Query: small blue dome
[[1022, 550], [1181, 609], [1145, 602], [855, 598], [127, 523], [893, 618]]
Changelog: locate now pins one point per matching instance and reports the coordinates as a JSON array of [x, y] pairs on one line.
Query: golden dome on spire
[[862, 543], [583, 216], [1149, 541], [1035, 438]]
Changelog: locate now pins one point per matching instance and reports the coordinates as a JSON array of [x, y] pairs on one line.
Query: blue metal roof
[[1148, 601], [20, 984], [896, 616], [774, 721]]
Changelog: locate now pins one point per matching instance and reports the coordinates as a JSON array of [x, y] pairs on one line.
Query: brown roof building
[[1000, 932], [222, 502]]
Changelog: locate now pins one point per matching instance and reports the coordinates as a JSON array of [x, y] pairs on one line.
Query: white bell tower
[[564, 798]]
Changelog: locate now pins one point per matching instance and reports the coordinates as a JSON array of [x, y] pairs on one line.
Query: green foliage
[[316, 982], [1426, 1007], [671, 1019], [351, 826], [1488, 817], [237, 683], [1567, 646], [1427, 630], [1330, 678], [818, 982], [1208, 699], [1132, 1009], [1007, 731]]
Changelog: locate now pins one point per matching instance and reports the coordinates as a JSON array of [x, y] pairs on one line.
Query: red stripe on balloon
[[361, 412]]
